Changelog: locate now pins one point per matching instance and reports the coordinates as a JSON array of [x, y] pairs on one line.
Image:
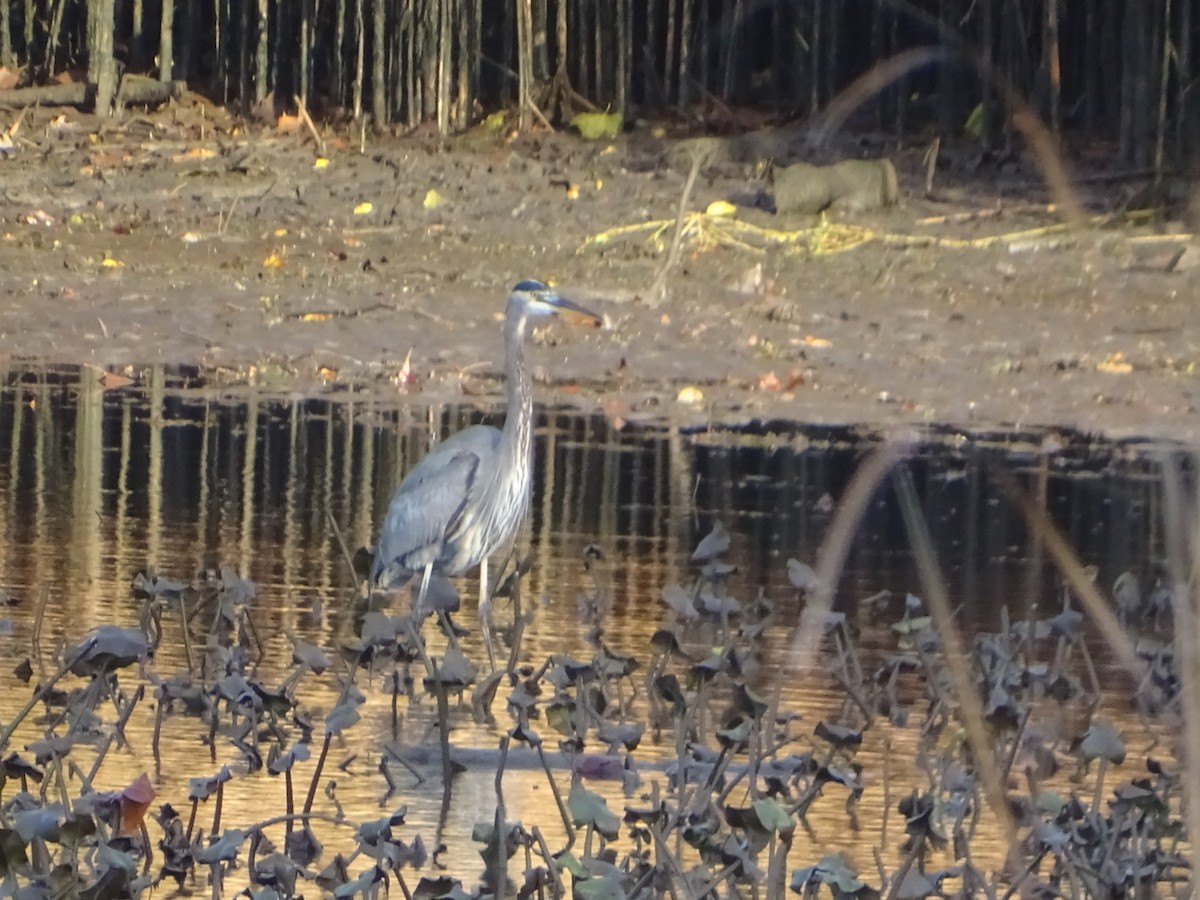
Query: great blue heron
[[468, 495]]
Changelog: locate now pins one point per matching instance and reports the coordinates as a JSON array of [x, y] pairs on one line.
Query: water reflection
[[174, 476]]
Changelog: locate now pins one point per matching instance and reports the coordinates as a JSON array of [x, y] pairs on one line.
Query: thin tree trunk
[[306, 33], [137, 40], [360, 51], [733, 21], [669, 40], [339, 48], [621, 88], [683, 91], [1160, 136], [102, 65], [31, 16], [987, 101], [166, 42], [379, 94], [1184, 84], [245, 27], [541, 52], [220, 86], [814, 55], [525, 64], [444, 44], [1052, 67], [262, 53], [601, 93]]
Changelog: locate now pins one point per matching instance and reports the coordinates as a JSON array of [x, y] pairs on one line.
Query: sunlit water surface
[[96, 485]]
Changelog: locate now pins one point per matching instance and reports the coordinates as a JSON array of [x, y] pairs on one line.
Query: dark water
[[96, 485]]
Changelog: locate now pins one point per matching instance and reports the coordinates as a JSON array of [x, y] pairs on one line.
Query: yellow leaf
[[363, 208], [274, 261], [599, 183], [721, 208], [316, 317], [572, 192], [191, 237], [432, 199], [811, 341], [320, 163], [595, 126], [1115, 363], [690, 395], [109, 263], [194, 153]]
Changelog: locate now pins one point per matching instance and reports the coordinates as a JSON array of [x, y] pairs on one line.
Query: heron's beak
[[574, 313]]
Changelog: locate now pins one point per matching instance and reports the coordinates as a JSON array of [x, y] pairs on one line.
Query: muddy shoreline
[[194, 241]]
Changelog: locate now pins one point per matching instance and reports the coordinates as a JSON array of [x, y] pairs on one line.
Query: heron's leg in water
[[485, 612]]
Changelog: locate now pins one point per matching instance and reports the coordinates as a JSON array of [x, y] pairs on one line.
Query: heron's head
[[537, 299]]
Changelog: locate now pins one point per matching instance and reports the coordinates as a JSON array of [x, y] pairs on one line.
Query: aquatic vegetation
[[725, 810]]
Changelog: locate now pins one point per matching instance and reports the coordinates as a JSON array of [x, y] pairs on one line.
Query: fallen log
[[134, 91]]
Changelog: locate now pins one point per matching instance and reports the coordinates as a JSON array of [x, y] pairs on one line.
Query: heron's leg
[[485, 612], [420, 606]]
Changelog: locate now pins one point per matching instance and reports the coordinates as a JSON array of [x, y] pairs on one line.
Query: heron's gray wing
[[428, 503]]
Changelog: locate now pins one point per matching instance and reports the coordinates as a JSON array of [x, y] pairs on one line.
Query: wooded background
[[1118, 70]]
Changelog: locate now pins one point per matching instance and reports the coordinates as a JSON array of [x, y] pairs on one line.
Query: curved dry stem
[[831, 557]]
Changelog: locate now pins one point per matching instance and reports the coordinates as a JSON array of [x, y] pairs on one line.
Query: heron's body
[[468, 496]]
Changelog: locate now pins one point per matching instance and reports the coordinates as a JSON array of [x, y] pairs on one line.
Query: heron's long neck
[[518, 425]]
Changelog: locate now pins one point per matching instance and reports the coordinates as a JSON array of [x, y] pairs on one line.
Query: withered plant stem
[[290, 792], [35, 641], [568, 826], [220, 802], [560, 889], [658, 291], [187, 640], [956, 657], [1082, 585], [36, 697], [496, 864], [316, 776], [443, 703]]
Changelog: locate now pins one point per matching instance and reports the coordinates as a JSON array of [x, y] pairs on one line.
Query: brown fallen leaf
[[111, 381], [135, 800], [769, 382]]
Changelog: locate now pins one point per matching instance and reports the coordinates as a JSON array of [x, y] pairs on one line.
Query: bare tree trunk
[[987, 101], [166, 42], [1160, 136], [541, 52], [623, 38], [360, 50], [525, 63], [814, 55], [102, 65], [444, 44], [379, 94], [137, 40], [306, 33], [1052, 67], [598, 51], [669, 40], [683, 91], [245, 33], [339, 48], [262, 58], [1184, 83]]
